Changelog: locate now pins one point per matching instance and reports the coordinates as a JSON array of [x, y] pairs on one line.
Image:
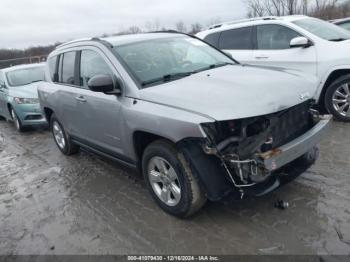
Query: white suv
[[307, 44]]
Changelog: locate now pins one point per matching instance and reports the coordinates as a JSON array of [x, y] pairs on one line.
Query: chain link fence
[[23, 60]]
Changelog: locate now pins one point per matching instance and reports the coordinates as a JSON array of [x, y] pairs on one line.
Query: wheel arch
[[332, 76], [48, 113], [203, 166], [9, 107], [141, 139]]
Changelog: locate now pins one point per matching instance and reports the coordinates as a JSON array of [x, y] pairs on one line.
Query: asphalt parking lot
[[53, 204]]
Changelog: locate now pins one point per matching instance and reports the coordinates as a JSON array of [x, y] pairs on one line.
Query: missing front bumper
[[268, 166], [218, 178], [285, 154]]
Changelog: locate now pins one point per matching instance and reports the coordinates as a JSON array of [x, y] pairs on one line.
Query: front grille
[[291, 123]]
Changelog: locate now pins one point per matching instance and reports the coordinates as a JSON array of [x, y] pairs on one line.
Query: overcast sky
[[26, 23]]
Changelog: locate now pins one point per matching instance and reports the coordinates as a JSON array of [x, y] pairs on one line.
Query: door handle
[[261, 57], [80, 99]]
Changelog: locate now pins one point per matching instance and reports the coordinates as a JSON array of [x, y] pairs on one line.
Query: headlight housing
[[20, 100]]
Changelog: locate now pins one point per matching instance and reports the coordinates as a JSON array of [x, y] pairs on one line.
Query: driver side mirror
[[104, 84], [300, 42]]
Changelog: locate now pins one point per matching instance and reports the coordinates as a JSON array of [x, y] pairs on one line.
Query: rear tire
[[337, 98], [62, 139], [170, 180]]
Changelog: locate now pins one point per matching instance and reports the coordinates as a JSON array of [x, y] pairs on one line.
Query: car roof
[[126, 39], [340, 21], [250, 22], [24, 66]]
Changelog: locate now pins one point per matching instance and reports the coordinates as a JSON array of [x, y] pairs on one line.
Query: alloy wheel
[[164, 181], [58, 135], [341, 99]]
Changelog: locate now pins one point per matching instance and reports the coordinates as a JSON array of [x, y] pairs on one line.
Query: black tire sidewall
[[166, 151], [329, 97], [20, 126]]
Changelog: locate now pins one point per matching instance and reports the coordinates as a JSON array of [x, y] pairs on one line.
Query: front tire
[[62, 139], [337, 99], [17, 122], [170, 180]]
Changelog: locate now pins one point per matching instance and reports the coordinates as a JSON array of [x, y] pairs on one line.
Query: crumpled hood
[[234, 92], [26, 91]]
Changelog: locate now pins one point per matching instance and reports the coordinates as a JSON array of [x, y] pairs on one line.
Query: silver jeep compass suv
[[195, 122]]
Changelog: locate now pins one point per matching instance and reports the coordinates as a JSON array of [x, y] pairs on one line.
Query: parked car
[[344, 23], [307, 44], [19, 96], [196, 123]]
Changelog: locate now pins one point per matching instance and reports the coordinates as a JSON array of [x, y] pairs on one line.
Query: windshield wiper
[[167, 78], [176, 76], [214, 66], [338, 39]]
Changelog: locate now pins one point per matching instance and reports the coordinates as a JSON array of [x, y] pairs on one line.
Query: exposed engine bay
[[243, 145]]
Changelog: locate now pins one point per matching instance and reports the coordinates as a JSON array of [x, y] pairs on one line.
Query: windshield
[[323, 29], [25, 76], [161, 60]]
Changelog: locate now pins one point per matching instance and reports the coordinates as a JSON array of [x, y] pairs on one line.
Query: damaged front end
[[253, 153]]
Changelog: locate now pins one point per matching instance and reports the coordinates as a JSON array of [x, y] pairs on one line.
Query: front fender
[[208, 170], [168, 122]]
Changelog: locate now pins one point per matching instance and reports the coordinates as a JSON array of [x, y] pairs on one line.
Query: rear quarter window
[[213, 39], [52, 62], [2, 80]]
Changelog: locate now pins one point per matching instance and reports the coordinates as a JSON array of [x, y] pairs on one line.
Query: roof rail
[[85, 39], [172, 31], [243, 21], [72, 42], [166, 31]]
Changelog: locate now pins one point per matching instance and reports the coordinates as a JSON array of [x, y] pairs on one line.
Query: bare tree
[[326, 9], [153, 25], [256, 8], [134, 30], [305, 7], [274, 7], [195, 28], [214, 21], [180, 26]]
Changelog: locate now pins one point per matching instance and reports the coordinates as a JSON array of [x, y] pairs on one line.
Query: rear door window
[[237, 39]]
